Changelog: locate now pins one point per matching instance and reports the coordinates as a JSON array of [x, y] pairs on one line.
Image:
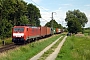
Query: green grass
[[87, 32], [75, 48], [27, 51], [51, 50], [7, 41]]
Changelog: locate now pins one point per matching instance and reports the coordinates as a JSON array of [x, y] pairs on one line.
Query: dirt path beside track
[[55, 53], [36, 57]]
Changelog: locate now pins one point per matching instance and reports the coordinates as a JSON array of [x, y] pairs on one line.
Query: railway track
[[8, 47], [12, 46]]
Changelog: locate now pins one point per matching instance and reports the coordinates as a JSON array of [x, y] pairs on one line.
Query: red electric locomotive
[[21, 34]]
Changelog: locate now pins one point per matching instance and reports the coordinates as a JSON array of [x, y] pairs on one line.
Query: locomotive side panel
[[33, 32]]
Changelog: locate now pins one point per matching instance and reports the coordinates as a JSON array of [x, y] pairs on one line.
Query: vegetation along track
[[11, 46]]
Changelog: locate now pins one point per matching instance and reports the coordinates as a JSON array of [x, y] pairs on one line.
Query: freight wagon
[[48, 31], [43, 31], [58, 30]]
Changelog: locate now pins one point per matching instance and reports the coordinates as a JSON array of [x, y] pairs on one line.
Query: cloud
[[37, 1], [59, 16], [67, 5], [43, 8], [46, 17], [88, 24], [88, 16], [33, 1], [87, 5]]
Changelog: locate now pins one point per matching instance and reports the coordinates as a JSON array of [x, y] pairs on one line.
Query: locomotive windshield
[[18, 29]]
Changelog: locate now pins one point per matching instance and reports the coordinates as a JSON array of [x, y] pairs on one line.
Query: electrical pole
[[52, 22]]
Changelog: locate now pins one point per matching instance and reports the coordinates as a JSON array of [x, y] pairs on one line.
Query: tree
[[0, 10], [24, 20], [17, 12], [5, 28], [55, 24], [33, 15], [60, 26], [76, 20], [13, 10]]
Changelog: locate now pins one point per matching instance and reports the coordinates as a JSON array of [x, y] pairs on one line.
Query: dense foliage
[[76, 20], [17, 12]]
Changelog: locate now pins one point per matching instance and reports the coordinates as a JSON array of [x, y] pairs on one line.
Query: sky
[[59, 9]]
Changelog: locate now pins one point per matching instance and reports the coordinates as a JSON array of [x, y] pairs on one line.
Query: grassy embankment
[[7, 41], [87, 32], [51, 50], [75, 48], [27, 51]]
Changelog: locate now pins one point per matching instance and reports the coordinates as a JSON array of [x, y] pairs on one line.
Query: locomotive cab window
[[18, 29]]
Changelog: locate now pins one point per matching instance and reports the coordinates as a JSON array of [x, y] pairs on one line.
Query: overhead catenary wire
[[43, 9], [39, 6], [44, 19]]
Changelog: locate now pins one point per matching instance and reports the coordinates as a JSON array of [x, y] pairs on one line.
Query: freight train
[[22, 34]]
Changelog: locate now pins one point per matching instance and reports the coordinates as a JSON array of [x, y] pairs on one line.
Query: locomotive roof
[[27, 26]]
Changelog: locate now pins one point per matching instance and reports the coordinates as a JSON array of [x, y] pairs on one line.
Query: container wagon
[[43, 31], [58, 30], [48, 31]]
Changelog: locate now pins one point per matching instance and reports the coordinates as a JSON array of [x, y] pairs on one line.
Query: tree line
[[17, 12]]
